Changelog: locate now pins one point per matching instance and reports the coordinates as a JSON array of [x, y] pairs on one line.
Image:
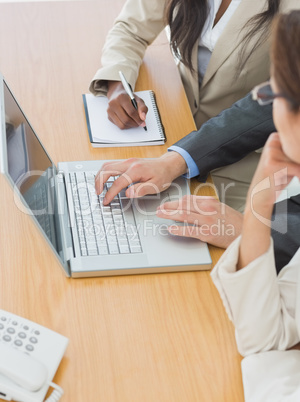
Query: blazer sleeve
[[230, 136], [253, 302], [272, 376], [136, 27]]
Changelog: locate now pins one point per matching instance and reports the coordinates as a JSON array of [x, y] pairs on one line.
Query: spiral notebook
[[104, 133]]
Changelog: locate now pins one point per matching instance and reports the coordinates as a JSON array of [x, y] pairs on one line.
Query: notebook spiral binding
[[158, 117]]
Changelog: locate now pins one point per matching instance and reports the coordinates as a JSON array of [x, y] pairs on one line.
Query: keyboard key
[[103, 250], [135, 249], [93, 252], [113, 249], [124, 249]]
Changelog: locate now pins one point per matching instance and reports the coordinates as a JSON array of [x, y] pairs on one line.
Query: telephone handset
[[29, 357]]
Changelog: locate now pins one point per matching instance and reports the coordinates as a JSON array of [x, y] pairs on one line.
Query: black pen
[[129, 92]]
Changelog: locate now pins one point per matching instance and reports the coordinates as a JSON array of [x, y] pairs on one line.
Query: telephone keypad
[[32, 360], [19, 335]]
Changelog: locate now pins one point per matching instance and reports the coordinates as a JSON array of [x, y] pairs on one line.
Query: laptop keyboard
[[103, 230]]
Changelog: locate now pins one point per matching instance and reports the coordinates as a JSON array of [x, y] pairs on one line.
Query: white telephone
[[29, 357]]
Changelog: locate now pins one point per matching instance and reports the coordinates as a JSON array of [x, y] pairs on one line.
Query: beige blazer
[[140, 22]]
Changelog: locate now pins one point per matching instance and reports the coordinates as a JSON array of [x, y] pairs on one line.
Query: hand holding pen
[[129, 92], [121, 110]]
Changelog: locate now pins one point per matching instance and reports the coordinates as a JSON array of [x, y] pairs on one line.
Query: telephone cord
[[56, 394]]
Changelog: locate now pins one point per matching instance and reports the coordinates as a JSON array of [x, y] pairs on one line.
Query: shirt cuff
[[193, 170]]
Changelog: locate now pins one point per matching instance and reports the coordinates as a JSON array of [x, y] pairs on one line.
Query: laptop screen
[[29, 168]]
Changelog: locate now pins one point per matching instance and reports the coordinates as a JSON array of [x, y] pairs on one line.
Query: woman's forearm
[[256, 234]]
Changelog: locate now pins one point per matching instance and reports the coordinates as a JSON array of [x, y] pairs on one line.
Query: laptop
[[90, 239]]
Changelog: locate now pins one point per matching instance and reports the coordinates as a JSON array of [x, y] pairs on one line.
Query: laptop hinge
[[63, 217], [52, 182]]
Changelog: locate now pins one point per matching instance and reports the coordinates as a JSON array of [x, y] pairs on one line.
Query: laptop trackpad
[[147, 206]]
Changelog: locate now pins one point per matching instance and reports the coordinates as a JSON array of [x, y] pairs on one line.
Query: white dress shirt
[[265, 310], [210, 33]]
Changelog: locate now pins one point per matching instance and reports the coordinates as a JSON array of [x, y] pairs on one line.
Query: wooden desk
[[156, 338]]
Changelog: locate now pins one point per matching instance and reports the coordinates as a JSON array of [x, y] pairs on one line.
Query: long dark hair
[[285, 56], [186, 19]]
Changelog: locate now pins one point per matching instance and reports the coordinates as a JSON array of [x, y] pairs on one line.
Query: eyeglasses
[[264, 94]]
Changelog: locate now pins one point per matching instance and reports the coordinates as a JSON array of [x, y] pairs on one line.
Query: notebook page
[[102, 130]]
